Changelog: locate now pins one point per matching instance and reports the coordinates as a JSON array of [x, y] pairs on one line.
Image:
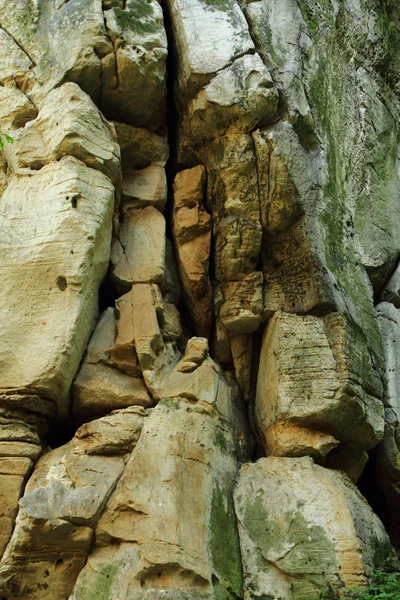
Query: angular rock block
[[62, 503], [55, 246], [317, 373], [133, 85], [239, 304], [140, 147], [144, 187], [138, 255], [68, 123], [208, 38], [110, 376], [305, 531], [192, 236], [241, 96], [168, 524]]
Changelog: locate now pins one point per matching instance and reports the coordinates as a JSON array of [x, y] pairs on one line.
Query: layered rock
[[176, 545], [316, 378], [278, 209], [55, 248], [388, 452], [62, 504], [192, 234]]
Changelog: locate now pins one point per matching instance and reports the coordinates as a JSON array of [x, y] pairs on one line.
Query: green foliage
[[384, 586], [7, 138]]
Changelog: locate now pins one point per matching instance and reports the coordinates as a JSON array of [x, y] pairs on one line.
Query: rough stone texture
[[208, 38], [144, 187], [174, 547], [192, 235], [317, 373], [133, 75], [304, 530], [56, 226], [61, 505], [110, 376], [239, 304], [68, 123], [140, 147], [269, 199], [138, 256], [388, 452]]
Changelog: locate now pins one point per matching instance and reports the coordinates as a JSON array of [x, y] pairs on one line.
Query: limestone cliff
[[199, 299]]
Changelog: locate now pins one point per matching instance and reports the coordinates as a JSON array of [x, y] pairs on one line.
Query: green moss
[[101, 587], [312, 554], [225, 547], [221, 441], [384, 585], [316, 13], [139, 18], [170, 403], [224, 5]]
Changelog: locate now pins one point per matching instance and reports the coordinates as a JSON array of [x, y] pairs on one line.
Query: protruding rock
[[192, 234], [62, 503], [157, 356], [98, 389], [110, 376], [242, 355], [144, 187], [140, 147], [68, 123], [239, 304], [241, 97], [317, 373], [138, 256], [170, 519], [305, 531], [208, 37], [56, 227], [133, 75], [388, 452]]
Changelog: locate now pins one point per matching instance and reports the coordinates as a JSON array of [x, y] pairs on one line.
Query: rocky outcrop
[[192, 234], [305, 531], [62, 504], [200, 288], [315, 374], [388, 452]]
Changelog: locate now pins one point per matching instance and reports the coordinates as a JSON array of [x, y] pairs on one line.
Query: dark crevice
[[172, 117], [108, 292]]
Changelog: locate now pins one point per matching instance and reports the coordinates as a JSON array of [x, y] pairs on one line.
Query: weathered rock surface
[[62, 504], [317, 373], [305, 531], [110, 376], [68, 123], [56, 226], [192, 235], [269, 198], [388, 452], [138, 256], [170, 519]]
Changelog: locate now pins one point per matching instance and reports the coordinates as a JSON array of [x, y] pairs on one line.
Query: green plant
[[384, 586], [7, 137]]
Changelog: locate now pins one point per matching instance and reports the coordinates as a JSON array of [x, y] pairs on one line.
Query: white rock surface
[[55, 244]]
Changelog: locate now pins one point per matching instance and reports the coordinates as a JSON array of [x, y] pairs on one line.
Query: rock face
[[199, 298], [305, 531]]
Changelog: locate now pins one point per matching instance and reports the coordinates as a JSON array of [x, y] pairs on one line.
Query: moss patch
[[138, 18], [225, 547]]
